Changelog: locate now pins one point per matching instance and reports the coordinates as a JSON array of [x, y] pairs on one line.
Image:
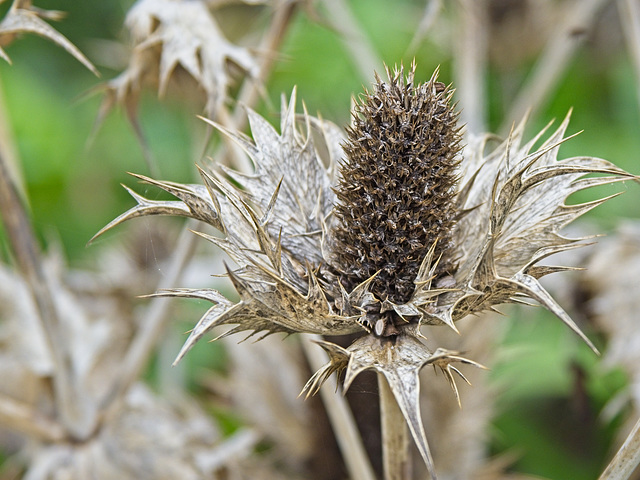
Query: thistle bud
[[397, 185]]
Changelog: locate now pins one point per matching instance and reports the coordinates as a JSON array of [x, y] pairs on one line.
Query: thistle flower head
[[401, 229], [396, 189]]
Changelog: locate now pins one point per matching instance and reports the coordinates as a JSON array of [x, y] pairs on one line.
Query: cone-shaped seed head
[[397, 185]]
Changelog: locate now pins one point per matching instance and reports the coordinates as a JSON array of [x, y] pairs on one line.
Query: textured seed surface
[[397, 185]]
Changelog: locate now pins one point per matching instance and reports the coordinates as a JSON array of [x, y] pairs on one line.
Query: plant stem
[[395, 435], [354, 38], [249, 93], [153, 324], [553, 61], [630, 20], [72, 407], [429, 18], [23, 418], [627, 458]]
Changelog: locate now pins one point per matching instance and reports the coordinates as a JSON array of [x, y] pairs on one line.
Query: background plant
[[572, 57]]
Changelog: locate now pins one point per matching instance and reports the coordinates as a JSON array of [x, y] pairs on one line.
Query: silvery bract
[[284, 226], [173, 39], [23, 17]]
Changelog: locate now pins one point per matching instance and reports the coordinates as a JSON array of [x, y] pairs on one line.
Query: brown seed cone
[[397, 185]]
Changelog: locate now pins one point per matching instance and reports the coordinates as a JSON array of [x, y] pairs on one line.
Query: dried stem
[[153, 324], [429, 17], [8, 148], [395, 435], [249, 93], [238, 445], [553, 61], [74, 414], [344, 427], [630, 20], [22, 418], [627, 458], [470, 63]]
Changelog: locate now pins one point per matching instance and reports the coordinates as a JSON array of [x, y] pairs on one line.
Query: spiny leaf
[[22, 17]]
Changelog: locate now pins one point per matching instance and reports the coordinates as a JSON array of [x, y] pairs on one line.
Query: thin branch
[[250, 92], [8, 149], [470, 62], [431, 12], [344, 427], [252, 88], [239, 445], [553, 61], [152, 325], [627, 459]]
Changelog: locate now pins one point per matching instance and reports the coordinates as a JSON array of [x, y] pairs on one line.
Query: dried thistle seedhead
[[397, 185], [475, 247]]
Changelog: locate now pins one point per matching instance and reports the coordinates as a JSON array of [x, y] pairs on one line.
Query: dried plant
[[371, 237], [171, 37], [148, 437], [403, 229], [23, 17], [608, 293]]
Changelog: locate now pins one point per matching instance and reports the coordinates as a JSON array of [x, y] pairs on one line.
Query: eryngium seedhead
[[396, 189], [397, 185], [285, 222]]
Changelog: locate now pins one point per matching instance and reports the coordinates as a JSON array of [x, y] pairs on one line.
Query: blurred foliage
[[73, 186], [552, 387]]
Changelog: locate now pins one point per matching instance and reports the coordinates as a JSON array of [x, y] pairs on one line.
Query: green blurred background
[[73, 185]]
